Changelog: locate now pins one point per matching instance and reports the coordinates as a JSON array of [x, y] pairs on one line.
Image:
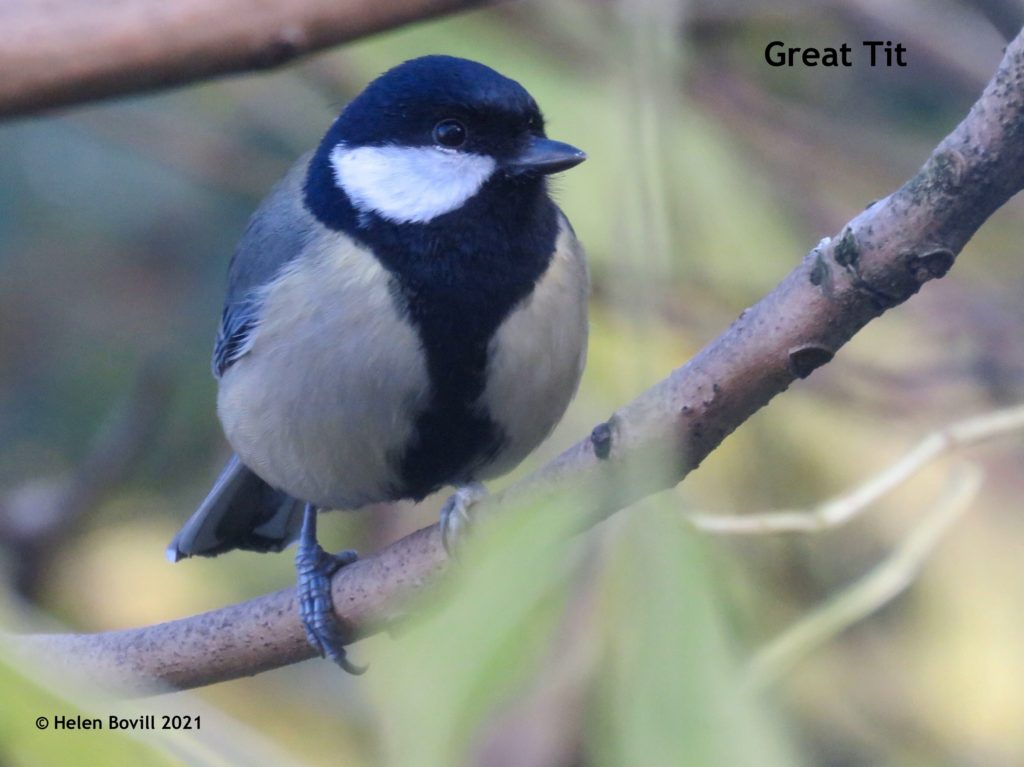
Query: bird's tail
[[240, 512]]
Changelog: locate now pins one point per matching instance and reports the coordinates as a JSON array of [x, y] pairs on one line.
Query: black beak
[[543, 156]]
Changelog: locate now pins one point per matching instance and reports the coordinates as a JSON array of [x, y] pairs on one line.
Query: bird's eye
[[450, 133]]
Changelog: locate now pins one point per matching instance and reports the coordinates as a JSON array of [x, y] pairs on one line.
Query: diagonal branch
[[65, 52], [880, 259], [37, 517]]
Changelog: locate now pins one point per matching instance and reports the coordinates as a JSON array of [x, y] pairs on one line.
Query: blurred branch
[[39, 516], [938, 40], [879, 587], [880, 259], [838, 511], [1007, 16], [70, 51]]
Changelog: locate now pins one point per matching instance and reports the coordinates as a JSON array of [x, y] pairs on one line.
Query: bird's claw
[[456, 520], [315, 568]]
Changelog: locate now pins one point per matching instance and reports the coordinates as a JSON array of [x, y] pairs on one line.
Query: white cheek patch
[[409, 184]]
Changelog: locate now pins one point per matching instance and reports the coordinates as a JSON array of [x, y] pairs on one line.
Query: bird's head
[[427, 136]]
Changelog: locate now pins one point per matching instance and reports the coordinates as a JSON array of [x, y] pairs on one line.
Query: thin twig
[[879, 587], [836, 512]]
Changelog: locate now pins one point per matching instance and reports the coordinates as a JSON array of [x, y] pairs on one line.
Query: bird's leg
[[315, 568], [456, 521]]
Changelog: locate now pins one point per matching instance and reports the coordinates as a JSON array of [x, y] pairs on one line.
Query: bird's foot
[[456, 521], [315, 568]]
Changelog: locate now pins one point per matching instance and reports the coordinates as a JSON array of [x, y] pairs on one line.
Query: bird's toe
[[456, 518]]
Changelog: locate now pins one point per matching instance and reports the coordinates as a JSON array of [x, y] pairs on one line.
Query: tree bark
[[59, 52]]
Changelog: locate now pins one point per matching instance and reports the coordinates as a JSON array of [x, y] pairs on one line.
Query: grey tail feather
[[240, 512]]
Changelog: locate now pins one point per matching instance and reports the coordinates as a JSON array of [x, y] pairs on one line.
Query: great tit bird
[[406, 310]]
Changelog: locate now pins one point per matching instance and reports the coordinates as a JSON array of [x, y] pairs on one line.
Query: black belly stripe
[[456, 319], [453, 438], [456, 278]]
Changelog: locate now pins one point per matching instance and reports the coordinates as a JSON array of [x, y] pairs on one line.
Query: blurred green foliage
[[26, 746], [709, 175]]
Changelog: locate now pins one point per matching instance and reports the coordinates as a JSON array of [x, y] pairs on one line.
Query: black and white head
[[426, 138]]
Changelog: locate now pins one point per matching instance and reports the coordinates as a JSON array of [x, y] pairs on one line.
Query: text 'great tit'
[[406, 310]]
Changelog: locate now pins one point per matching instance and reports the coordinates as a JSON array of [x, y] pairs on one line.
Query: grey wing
[[242, 511], [234, 335], [276, 234]]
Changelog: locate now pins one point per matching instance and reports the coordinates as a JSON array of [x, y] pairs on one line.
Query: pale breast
[[537, 355], [320, 406]]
